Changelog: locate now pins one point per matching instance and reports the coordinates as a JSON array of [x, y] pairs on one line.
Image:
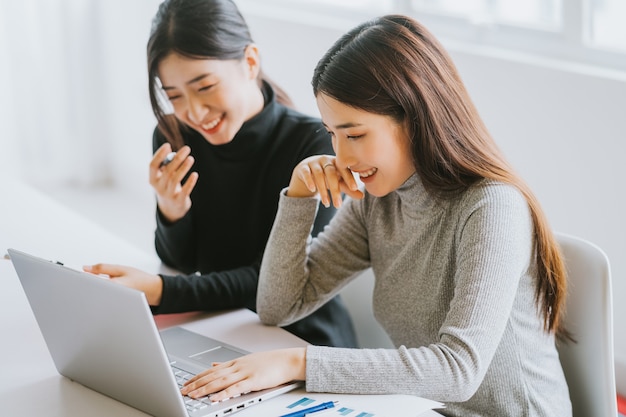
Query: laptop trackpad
[[217, 354], [205, 351]]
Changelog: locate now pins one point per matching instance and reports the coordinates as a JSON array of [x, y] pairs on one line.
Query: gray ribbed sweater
[[454, 290]]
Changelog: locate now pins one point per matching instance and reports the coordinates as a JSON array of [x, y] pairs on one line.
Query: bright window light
[[585, 31], [608, 24], [527, 13], [378, 5]]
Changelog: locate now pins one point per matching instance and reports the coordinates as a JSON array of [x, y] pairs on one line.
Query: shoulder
[[293, 119], [495, 217], [302, 130], [494, 207], [493, 194]]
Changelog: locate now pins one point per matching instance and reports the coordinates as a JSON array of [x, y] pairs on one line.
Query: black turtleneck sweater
[[220, 241]]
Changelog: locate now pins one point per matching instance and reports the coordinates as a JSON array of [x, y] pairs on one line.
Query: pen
[[167, 159], [306, 411]]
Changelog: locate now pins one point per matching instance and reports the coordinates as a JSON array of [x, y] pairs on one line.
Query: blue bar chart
[[339, 410]]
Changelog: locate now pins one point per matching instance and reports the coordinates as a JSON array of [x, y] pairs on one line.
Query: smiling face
[[373, 146], [213, 97]]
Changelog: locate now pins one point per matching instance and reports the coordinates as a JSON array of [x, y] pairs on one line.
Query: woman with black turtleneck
[[237, 143]]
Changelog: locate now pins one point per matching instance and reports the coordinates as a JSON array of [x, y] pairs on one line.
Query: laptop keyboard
[[192, 404]]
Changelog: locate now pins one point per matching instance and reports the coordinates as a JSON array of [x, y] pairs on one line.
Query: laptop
[[103, 336]]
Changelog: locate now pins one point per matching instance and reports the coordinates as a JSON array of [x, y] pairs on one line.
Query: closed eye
[[206, 88], [354, 137]]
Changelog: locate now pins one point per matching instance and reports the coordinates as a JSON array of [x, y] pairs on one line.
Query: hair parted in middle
[[197, 29]]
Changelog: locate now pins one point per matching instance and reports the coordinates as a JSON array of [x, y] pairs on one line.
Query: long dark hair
[[394, 66], [199, 29]]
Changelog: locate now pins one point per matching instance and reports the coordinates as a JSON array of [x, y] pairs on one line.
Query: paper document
[[348, 405]]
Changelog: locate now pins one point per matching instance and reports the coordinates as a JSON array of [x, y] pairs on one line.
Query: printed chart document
[[348, 405]]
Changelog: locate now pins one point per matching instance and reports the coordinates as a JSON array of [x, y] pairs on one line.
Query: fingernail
[[87, 268]]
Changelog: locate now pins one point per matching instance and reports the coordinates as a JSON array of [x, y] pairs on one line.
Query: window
[[529, 13], [589, 32], [350, 4], [608, 24], [585, 31], [343, 9]]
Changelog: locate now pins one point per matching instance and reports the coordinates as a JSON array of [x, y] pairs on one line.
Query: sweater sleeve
[[293, 285], [172, 241], [234, 288]]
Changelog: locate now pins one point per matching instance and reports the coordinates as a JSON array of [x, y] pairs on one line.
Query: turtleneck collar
[[254, 133], [414, 197]]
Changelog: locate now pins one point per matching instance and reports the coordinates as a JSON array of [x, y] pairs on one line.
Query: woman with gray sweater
[[470, 282]]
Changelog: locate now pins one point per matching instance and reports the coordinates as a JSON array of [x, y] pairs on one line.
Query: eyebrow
[[193, 80], [345, 125]]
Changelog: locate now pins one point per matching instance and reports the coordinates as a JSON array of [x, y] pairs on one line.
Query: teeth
[[368, 173], [211, 125]]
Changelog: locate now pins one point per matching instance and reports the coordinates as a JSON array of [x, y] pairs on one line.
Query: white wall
[[562, 127], [75, 108]]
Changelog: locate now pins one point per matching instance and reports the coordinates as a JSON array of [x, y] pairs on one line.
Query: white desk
[[29, 382]]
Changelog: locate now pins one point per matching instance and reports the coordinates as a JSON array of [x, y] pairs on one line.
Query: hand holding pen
[[173, 181], [310, 410]]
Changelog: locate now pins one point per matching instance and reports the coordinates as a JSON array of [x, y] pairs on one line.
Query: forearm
[[283, 274], [173, 243], [236, 288], [434, 372], [299, 275]]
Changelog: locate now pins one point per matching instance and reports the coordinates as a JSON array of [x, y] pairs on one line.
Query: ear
[[252, 60]]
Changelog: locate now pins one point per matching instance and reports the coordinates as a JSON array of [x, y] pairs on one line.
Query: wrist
[[297, 359], [169, 211], [168, 217], [298, 192], [156, 292]]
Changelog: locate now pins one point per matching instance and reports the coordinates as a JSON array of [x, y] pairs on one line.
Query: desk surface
[[29, 382]]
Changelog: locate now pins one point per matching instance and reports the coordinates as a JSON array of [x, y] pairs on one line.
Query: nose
[[196, 110], [343, 151]]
